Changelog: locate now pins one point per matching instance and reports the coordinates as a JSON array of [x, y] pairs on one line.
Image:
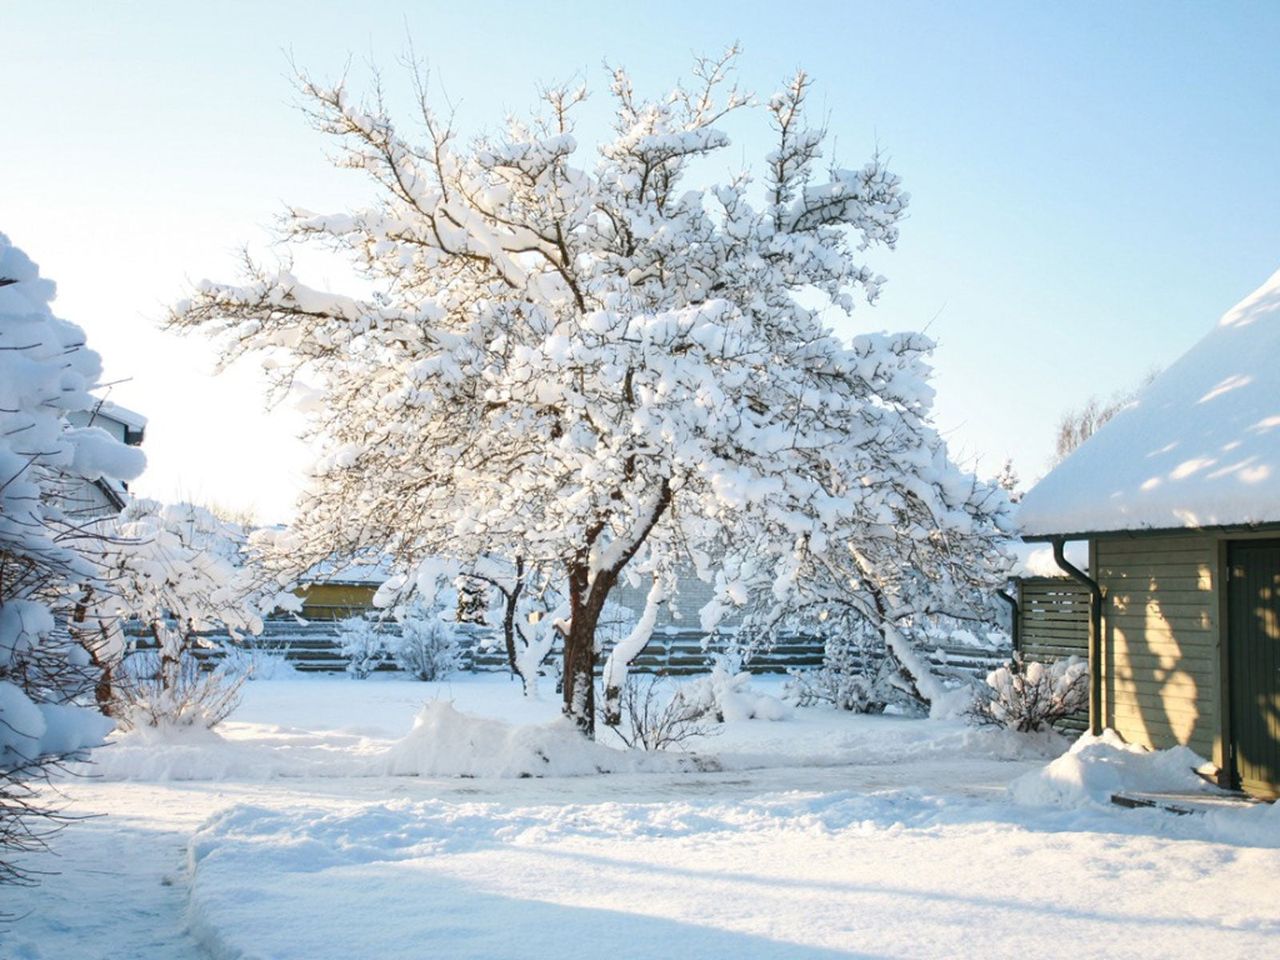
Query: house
[[1178, 499], [336, 591], [104, 497]]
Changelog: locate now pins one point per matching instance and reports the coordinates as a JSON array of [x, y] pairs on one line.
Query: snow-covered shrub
[[845, 680], [445, 742], [48, 545], [726, 694], [831, 686], [186, 576], [270, 665], [259, 660], [427, 645], [1029, 695], [172, 687], [363, 642], [858, 674], [658, 715]]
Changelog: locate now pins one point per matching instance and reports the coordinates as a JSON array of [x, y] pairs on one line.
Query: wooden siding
[[1160, 640]]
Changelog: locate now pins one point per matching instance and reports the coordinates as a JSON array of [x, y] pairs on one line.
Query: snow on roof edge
[[1198, 449], [130, 418]]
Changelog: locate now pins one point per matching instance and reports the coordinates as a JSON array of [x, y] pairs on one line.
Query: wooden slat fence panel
[[1053, 623]]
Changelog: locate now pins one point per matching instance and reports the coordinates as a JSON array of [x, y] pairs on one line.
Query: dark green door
[[1253, 653]]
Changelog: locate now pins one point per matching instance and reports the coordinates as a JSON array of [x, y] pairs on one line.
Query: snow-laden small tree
[[587, 361], [929, 552], [526, 605], [184, 574], [517, 597], [47, 549], [426, 645], [363, 642]]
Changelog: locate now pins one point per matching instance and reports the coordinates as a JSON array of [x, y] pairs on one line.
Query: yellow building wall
[[333, 601]]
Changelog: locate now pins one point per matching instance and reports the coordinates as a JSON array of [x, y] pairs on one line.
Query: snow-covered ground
[[824, 835]]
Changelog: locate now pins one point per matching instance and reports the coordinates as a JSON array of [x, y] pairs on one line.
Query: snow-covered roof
[[1036, 559], [376, 571], [1200, 447], [122, 415]]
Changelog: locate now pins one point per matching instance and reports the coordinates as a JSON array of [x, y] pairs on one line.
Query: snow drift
[[445, 742], [1097, 767]]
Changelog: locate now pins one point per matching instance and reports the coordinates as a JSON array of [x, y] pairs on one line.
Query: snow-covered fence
[[313, 647], [1053, 624]]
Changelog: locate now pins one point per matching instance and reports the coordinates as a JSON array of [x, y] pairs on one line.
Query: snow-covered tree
[[184, 575], [924, 548], [520, 599], [426, 645], [526, 605], [363, 641], [586, 361], [1079, 424], [46, 550]]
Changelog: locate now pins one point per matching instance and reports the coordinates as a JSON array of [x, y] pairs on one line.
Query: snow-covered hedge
[[445, 742], [727, 694]]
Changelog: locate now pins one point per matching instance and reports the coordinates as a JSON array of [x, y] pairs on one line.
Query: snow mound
[[442, 743], [445, 742], [173, 753], [729, 694], [1097, 767]]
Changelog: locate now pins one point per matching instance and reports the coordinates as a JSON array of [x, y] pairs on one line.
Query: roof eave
[[1267, 527]]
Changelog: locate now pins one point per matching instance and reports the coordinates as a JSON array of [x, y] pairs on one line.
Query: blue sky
[[1093, 184]]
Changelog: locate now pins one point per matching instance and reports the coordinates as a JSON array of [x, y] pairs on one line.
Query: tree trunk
[[103, 688], [512, 598], [579, 671], [585, 606], [587, 595]]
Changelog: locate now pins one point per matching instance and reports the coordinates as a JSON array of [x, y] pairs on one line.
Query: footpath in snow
[[321, 823]]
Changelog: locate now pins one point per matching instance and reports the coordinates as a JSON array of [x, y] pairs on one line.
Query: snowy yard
[[826, 835]]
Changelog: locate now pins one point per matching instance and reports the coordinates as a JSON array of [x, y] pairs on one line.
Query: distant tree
[[1078, 425], [526, 606], [426, 646], [1009, 481], [518, 597], [241, 516], [47, 553], [599, 368]]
